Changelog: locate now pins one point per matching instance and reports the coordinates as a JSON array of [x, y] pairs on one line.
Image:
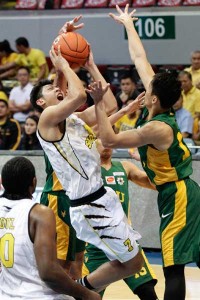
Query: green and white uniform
[[76, 162], [178, 197], [116, 178]]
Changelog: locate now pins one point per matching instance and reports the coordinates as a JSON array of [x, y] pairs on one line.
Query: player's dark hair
[[22, 41], [167, 88], [36, 93], [17, 176]]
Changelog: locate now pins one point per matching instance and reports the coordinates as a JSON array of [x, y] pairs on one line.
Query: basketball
[[73, 47]]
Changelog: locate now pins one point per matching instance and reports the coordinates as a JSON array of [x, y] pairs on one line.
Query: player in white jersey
[[30, 269], [96, 213]]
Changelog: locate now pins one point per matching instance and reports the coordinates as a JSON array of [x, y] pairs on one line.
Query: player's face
[[127, 86], [196, 61], [30, 126], [52, 95], [105, 153]]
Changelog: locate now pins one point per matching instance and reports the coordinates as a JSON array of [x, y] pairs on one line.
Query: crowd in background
[[21, 68]]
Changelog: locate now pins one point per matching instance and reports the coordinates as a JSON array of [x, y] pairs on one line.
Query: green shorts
[[67, 243], [179, 208], [94, 258]]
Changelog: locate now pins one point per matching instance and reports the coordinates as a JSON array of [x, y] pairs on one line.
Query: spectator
[[7, 55], [29, 140], [191, 95], [10, 132], [128, 121], [183, 118], [196, 131], [30, 57], [128, 90], [19, 100], [33, 58], [194, 69]]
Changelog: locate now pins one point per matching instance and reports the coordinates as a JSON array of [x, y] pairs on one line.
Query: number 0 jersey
[[19, 278], [75, 159]]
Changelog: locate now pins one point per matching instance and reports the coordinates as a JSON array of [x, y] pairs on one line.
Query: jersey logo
[[120, 180], [110, 180], [63, 213], [165, 216], [90, 139]]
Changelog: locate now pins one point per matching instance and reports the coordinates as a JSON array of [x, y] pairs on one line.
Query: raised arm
[[136, 49], [89, 115], [76, 96], [69, 26]]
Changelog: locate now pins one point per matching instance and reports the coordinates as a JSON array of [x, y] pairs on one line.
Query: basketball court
[[120, 291]]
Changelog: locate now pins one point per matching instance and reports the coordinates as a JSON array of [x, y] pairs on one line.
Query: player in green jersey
[[70, 250], [166, 160], [116, 175]]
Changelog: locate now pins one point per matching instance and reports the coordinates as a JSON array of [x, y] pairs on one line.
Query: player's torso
[[116, 179], [170, 165], [75, 159]]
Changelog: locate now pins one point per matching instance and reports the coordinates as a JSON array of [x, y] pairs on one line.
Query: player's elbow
[[108, 143]]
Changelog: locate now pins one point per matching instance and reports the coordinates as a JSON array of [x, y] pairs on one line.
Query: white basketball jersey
[[19, 278], [75, 159]]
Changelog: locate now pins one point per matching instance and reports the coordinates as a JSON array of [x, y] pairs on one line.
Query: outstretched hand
[[124, 16], [58, 61], [70, 25], [138, 103], [133, 152], [96, 91]]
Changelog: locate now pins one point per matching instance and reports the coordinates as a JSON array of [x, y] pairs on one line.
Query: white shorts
[[104, 224]]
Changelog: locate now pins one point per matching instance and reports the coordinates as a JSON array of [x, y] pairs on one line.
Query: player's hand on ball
[[90, 61], [58, 61], [70, 25], [96, 90]]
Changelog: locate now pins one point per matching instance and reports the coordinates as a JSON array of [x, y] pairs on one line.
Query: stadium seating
[[76, 4]]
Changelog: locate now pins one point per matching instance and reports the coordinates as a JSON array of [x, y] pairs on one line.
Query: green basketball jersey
[[170, 165], [52, 183], [116, 179]]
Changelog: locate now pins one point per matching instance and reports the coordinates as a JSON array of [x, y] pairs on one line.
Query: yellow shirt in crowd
[[191, 101], [34, 60]]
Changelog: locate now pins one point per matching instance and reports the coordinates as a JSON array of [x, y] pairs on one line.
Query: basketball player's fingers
[[106, 88], [112, 16], [59, 52], [132, 12], [76, 19], [79, 26], [99, 84], [126, 8], [141, 95], [119, 9], [115, 18]]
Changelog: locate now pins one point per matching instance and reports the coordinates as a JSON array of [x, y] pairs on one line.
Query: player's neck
[[106, 164]]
